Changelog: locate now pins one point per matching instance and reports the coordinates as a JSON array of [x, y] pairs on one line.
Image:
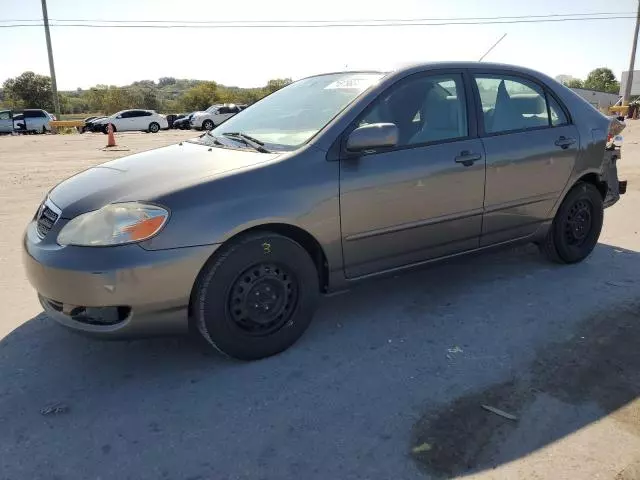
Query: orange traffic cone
[[111, 139]]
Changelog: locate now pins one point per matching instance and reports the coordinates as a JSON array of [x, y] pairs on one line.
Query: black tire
[[154, 127], [576, 227], [255, 262], [208, 125]]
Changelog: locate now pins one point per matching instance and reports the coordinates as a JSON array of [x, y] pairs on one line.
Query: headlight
[[114, 224]]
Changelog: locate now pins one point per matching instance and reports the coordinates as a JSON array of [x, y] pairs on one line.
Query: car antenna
[[492, 47]]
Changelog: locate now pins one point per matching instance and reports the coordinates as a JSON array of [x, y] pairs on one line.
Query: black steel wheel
[[263, 298], [576, 227], [256, 296]]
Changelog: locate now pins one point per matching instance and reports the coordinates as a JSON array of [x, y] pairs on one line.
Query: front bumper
[[140, 292]]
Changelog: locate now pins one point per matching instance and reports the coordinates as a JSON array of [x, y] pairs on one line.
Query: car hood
[[149, 175]]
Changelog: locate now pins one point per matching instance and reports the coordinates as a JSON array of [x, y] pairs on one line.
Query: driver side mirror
[[375, 135], [119, 116]]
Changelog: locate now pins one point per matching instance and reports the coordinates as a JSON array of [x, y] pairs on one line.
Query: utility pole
[[52, 70], [632, 61]]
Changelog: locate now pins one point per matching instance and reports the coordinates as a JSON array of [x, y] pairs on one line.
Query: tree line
[[601, 79], [167, 95]]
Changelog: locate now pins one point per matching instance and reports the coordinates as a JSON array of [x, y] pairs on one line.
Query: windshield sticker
[[355, 82]]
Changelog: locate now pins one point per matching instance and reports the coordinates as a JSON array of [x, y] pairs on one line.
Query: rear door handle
[[565, 142], [468, 158]]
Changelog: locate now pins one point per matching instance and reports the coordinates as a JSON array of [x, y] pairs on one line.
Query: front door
[[531, 149], [423, 198], [6, 121]]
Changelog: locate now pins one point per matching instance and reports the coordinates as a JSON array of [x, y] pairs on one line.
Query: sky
[[248, 57]]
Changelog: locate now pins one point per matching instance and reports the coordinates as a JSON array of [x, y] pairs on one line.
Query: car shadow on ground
[[393, 365]]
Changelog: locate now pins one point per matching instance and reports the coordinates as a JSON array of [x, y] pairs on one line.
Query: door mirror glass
[[375, 135], [119, 116]]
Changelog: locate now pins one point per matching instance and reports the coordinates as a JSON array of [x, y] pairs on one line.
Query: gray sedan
[[331, 180]]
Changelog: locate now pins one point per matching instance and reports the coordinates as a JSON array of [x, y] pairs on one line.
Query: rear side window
[[146, 114], [510, 103], [558, 116]]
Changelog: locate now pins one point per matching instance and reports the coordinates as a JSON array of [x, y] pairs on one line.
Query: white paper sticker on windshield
[[355, 82]]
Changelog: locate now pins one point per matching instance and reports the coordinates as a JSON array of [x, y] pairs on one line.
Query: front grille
[[46, 220]]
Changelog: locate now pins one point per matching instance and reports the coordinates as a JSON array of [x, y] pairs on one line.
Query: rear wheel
[[154, 127], [576, 227], [257, 297]]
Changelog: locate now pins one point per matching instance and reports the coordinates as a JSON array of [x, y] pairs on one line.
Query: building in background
[[635, 85], [601, 100]]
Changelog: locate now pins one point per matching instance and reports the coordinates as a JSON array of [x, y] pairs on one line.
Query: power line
[[370, 20], [323, 25]]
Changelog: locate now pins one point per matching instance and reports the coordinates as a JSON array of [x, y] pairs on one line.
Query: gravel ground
[[389, 382]]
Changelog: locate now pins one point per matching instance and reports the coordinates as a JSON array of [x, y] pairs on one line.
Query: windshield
[[212, 109], [289, 117]]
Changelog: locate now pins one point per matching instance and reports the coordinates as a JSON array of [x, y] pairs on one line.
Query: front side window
[[5, 115], [424, 108], [289, 117], [510, 103]]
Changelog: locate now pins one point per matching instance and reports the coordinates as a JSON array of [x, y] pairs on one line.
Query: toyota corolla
[[333, 179]]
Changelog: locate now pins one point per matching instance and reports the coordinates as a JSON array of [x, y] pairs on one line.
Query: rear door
[[423, 198], [6, 121], [530, 147]]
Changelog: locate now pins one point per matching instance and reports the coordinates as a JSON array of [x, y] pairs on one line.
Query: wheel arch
[[595, 180]]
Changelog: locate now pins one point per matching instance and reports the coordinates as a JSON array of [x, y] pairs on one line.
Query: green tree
[[603, 80], [574, 83], [164, 81], [29, 90], [276, 84], [200, 97]]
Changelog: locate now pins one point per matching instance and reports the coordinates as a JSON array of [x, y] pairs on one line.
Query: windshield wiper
[[247, 140]]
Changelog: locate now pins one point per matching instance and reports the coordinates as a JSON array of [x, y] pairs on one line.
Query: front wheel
[[154, 127], [576, 227], [207, 125], [256, 297]]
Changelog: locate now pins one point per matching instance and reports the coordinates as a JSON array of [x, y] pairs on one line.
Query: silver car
[[331, 180]]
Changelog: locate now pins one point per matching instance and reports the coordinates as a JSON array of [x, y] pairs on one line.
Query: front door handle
[[564, 142], [467, 158]]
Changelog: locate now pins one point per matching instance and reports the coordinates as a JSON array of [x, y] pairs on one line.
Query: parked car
[[170, 119], [213, 116], [18, 122], [183, 123], [87, 124], [134, 120], [94, 125], [333, 179], [6, 121]]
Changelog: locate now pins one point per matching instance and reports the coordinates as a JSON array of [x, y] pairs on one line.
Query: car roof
[[417, 67]]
